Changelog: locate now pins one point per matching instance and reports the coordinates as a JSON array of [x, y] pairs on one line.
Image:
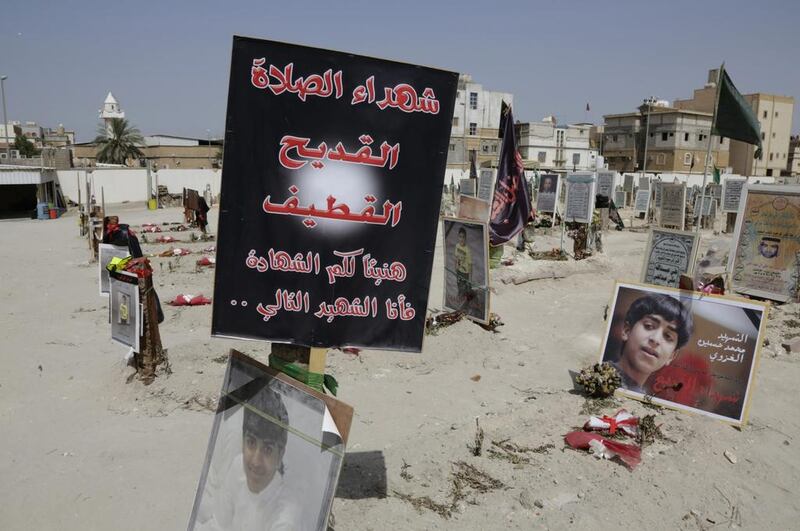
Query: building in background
[[548, 146], [774, 114], [476, 124], [164, 152], [677, 140]]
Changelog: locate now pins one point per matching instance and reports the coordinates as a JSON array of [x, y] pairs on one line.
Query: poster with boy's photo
[[124, 307], [547, 193], [466, 268], [765, 256], [105, 253], [274, 455], [685, 350]]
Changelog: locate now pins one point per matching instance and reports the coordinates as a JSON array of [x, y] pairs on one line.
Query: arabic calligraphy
[[389, 154], [283, 261], [279, 80], [728, 352], [313, 85], [290, 301], [333, 210], [400, 309], [342, 307]]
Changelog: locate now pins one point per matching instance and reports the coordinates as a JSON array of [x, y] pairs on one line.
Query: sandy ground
[[82, 447]]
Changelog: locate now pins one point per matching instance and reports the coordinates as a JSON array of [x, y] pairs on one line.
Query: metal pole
[[708, 153], [5, 118], [208, 135]]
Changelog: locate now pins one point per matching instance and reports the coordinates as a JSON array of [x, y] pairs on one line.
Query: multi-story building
[[676, 141], [476, 122], [774, 114], [548, 146]]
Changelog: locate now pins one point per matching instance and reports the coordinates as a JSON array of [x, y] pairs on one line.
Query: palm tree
[[118, 143]]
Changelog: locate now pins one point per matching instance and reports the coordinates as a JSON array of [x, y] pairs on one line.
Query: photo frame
[[123, 301], [685, 350], [274, 455], [466, 268]]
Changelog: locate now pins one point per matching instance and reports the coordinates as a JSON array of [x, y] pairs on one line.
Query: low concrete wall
[[120, 185]]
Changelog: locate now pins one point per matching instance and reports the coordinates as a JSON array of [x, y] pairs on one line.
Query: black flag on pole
[[511, 205]]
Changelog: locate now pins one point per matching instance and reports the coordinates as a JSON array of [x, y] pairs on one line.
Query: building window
[[576, 159], [765, 114], [452, 147], [661, 158], [763, 135], [773, 135], [776, 114], [687, 158], [721, 140], [542, 156], [613, 138], [701, 137], [494, 148], [473, 100], [473, 128], [485, 148], [685, 137], [455, 121], [664, 137], [770, 156]]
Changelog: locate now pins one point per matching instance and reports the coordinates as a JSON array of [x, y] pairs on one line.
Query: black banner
[[331, 189]]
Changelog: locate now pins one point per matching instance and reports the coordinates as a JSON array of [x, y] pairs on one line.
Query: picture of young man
[[466, 268], [253, 493], [656, 326]]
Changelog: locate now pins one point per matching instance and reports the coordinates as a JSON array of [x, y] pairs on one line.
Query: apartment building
[[476, 121], [774, 114], [676, 140], [551, 147], [793, 161]]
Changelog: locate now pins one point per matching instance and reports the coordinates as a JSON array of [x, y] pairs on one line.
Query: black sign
[[330, 196]]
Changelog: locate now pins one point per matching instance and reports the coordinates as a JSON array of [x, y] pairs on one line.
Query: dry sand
[[82, 446]]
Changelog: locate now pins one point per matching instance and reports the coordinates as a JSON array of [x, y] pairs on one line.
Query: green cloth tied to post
[[312, 379]]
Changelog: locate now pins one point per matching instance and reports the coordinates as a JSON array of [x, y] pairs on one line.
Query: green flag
[[735, 118]]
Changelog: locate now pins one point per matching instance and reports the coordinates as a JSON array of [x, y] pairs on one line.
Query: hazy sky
[[167, 62]]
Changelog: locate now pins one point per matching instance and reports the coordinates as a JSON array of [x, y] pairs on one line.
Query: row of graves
[[710, 310], [328, 222]]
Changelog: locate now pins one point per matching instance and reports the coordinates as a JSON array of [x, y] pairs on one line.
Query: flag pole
[[708, 151]]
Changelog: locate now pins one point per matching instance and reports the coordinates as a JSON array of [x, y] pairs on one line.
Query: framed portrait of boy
[[274, 455], [547, 193], [684, 349], [765, 253], [466, 268]]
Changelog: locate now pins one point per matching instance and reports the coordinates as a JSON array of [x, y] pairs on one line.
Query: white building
[[558, 148], [476, 120], [110, 110]]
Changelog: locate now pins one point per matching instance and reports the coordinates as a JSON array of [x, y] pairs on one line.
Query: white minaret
[[109, 111]]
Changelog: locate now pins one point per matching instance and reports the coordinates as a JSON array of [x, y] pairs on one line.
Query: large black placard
[[331, 189]]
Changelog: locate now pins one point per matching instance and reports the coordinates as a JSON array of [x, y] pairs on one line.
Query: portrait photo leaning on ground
[[653, 330], [251, 494]]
